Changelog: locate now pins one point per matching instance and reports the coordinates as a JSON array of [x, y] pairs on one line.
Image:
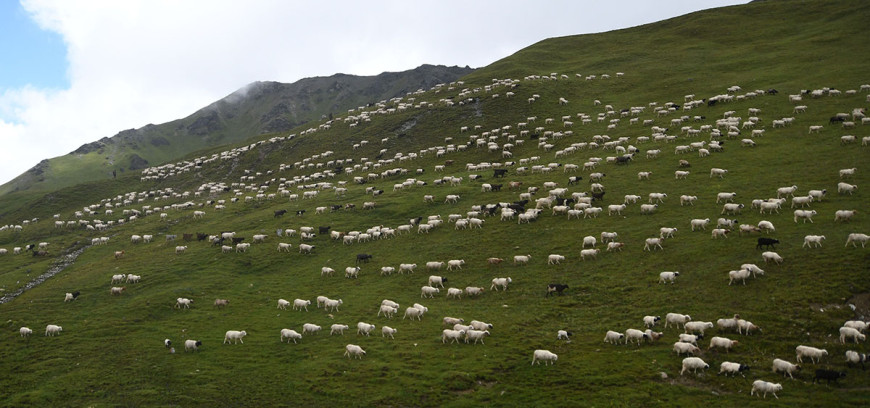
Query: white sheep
[[636, 335], [388, 331], [851, 333], [352, 272], [687, 199], [522, 259], [854, 238], [337, 328], [555, 259], [651, 243], [437, 280], [613, 337], [235, 336], [648, 208], [846, 188], [804, 215], [455, 264], [650, 321], [589, 253], [407, 268], [738, 275], [761, 386], [667, 232], [500, 283], [475, 290], [700, 223], [282, 304], [677, 319], [857, 324], [811, 352], [854, 357], [428, 291], [813, 241], [766, 226], [843, 215], [299, 304], [666, 277], [546, 356], [681, 348], [719, 232], [52, 330], [784, 367], [453, 335], [364, 328], [354, 350], [746, 327], [722, 342], [690, 338], [771, 256], [715, 171], [694, 364], [25, 331], [310, 328], [332, 304], [454, 292], [290, 334], [191, 345]]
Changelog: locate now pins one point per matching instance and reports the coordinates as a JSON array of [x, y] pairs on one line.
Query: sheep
[[718, 172], [857, 324], [352, 272], [589, 253], [364, 328], [437, 280], [785, 367], [407, 268], [690, 338], [180, 249], [455, 264], [852, 357], [813, 241], [722, 342], [851, 333], [310, 328], [658, 197], [766, 226], [666, 277], [590, 241], [687, 199], [451, 321], [337, 328], [388, 331], [636, 335], [700, 223], [555, 259], [118, 278], [843, 215], [613, 337], [854, 238], [235, 336], [740, 274], [648, 208], [677, 319], [650, 321], [25, 331], [282, 304], [811, 352], [428, 291], [133, 278], [290, 334], [183, 302], [388, 311], [500, 283], [720, 232], [745, 327], [332, 304], [759, 386], [546, 356], [52, 330], [117, 290], [731, 208], [685, 348], [694, 364], [651, 243], [453, 335], [191, 345], [299, 304], [771, 256], [697, 326], [354, 350], [220, 303], [804, 215], [786, 191]]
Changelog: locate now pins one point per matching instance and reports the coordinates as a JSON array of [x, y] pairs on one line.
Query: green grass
[[110, 351]]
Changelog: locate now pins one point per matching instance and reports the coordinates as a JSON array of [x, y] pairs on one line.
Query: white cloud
[[135, 62]]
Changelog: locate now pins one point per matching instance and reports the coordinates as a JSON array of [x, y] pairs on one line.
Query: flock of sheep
[[559, 201]]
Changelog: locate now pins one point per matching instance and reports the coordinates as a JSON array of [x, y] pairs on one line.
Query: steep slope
[[260, 107], [111, 349]]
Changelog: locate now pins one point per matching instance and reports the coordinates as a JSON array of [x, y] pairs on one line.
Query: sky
[[75, 71]]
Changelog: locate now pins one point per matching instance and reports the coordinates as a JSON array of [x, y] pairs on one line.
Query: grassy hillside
[[110, 351], [258, 108]]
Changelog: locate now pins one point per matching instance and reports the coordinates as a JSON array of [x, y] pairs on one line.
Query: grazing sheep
[[733, 368], [299, 304], [759, 386], [52, 330], [282, 304], [677, 319], [851, 333], [843, 215], [337, 328], [220, 303], [785, 367], [651, 243], [453, 335], [650, 321], [740, 274], [697, 326], [388, 331], [700, 223], [846, 188], [546, 356], [563, 335], [183, 302], [332, 304], [290, 334], [771, 256], [690, 338], [25, 331], [118, 290], [854, 238], [428, 291], [364, 328], [694, 364], [852, 357]]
